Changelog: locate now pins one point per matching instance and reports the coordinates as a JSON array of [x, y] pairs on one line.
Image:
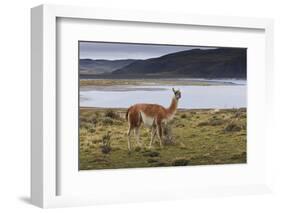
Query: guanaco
[[153, 116]]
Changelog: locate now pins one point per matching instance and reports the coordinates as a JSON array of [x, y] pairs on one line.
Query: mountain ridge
[[195, 63], [101, 66]]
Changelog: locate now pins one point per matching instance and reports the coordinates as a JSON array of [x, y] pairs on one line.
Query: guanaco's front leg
[[159, 132]]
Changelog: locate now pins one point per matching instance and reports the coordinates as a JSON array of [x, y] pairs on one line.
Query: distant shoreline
[[160, 82], [139, 77]]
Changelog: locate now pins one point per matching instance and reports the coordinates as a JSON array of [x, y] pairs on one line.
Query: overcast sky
[[113, 51]]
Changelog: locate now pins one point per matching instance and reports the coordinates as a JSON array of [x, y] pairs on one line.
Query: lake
[[232, 95]]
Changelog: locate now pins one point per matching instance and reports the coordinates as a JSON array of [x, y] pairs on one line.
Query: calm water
[[193, 97]]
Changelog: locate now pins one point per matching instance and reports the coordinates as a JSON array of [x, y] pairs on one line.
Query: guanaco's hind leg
[[134, 121], [128, 136], [137, 135], [159, 132]]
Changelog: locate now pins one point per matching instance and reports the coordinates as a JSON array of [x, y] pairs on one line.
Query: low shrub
[[232, 127], [106, 146], [106, 121], [180, 125], [93, 119], [167, 135], [235, 157], [212, 122], [137, 149], [203, 123], [160, 164], [111, 114], [180, 162], [117, 122], [151, 154], [183, 116], [83, 119], [92, 130], [240, 156], [86, 125], [216, 122], [240, 113], [95, 141], [152, 160]]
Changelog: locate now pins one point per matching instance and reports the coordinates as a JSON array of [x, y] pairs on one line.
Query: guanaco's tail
[[127, 113]]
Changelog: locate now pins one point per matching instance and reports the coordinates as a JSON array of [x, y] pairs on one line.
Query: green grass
[[201, 137]]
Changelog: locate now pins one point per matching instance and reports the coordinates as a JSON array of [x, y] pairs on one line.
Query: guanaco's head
[[177, 94]]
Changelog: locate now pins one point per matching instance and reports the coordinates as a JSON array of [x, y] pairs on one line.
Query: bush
[[117, 122], [180, 162], [151, 154], [183, 116], [92, 130], [106, 146], [212, 122], [203, 123], [151, 160], [106, 121], [86, 125], [160, 164], [93, 119], [111, 114], [137, 149], [95, 141], [216, 122], [180, 125], [167, 135], [232, 127], [83, 119], [240, 113]]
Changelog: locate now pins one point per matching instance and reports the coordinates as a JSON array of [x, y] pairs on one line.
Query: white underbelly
[[147, 121]]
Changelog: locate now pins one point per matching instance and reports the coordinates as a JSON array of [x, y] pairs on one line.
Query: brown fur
[[152, 110], [157, 112]]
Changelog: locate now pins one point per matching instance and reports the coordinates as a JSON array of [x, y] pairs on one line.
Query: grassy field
[[196, 137]]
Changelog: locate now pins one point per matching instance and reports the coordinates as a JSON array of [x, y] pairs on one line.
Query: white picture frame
[[44, 155]]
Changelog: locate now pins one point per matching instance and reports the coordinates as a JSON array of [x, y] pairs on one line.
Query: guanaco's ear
[[174, 90]]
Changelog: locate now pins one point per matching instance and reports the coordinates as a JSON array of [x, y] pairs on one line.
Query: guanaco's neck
[[173, 106]]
